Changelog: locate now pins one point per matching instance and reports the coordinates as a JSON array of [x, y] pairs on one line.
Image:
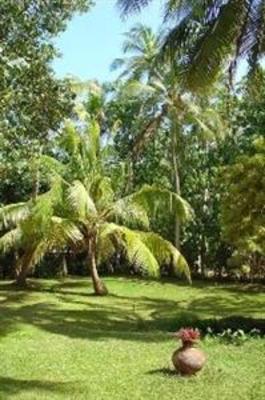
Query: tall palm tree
[[87, 216], [166, 104], [143, 44], [205, 34]]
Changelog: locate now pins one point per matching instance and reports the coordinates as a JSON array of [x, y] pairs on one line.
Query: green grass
[[59, 342]]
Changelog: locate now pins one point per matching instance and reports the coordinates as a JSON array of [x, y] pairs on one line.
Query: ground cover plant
[[58, 342]]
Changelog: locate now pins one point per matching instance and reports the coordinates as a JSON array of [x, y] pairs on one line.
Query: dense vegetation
[[137, 183], [123, 142]]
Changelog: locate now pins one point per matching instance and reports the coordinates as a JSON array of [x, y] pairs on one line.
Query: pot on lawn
[[188, 359]]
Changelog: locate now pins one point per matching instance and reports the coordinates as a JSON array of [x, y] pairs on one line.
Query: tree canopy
[[148, 173], [206, 34]]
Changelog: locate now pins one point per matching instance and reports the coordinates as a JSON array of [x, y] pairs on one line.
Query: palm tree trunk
[[130, 179], [99, 287], [176, 183], [21, 279], [203, 249], [36, 175], [36, 184], [23, 267], [63, 267], [21, 271], [204, 243]]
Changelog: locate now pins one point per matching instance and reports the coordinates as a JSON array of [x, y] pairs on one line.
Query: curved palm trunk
[[21, 271], [21, 279], [99, 286], [176, 183], [23, 267]]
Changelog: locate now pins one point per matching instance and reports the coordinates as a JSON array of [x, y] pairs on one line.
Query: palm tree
[[31, 231], [89, 219], [166, 104], [144, 44], [205, 34], [86, 215]]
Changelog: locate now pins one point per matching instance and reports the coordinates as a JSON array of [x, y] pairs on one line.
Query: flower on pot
[[188, 359], [188, 336]]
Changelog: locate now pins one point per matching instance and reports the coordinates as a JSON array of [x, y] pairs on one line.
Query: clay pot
[[188, 359]]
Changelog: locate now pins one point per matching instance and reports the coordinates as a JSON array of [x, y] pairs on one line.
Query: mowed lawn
[[60, 342]]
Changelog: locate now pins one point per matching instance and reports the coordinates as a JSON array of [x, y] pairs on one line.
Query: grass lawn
[[59, 342]]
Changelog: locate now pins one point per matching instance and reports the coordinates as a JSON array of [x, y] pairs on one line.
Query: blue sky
[[93, 40]]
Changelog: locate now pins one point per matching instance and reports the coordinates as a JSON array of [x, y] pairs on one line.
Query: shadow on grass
[[164, 372], [72, 313], [9, 296], [9, 386]]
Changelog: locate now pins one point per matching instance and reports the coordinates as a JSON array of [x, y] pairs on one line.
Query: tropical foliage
[[95, 175], [132, 184], [84, 214], [205, 34], [243, 213], [33, 101], [164, 104]]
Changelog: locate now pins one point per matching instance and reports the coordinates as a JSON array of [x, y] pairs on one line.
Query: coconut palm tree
[[31, 230], [89, 219], [205, 34], [86, 215], [166, 104], [143, 44]]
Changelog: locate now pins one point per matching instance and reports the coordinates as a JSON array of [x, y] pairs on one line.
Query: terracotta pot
[[188, 359]]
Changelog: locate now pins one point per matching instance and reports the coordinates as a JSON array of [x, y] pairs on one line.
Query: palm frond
[[252, 39], [141, 48], [215, 40], [207, 33], [140, 255], [11, 240], [131, 6], [51, 165], [179, 38], [70, 140], [166, 253], [38, 220], [91, 144], [107, 244], [211, 125], [137, 252], [63, 232], [153, 198], [34, 255], [12, 214], [100, 189], [140, 39], [135, 88], [130, 213], [146, 250], [81, 205], [117, 64]]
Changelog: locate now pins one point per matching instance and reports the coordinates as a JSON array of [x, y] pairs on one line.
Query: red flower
[[188, 335]]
